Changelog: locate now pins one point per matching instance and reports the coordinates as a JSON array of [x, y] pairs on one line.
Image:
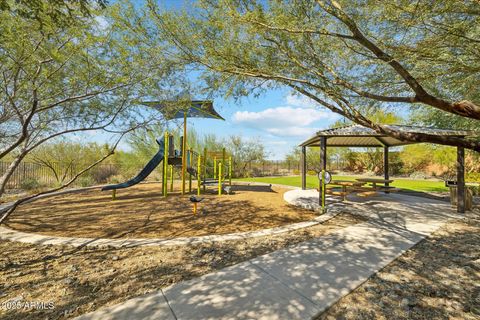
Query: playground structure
[[191, 162], [210, 169]]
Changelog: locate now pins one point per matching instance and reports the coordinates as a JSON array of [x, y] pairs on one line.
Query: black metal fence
[[272, 168], [30, 175]]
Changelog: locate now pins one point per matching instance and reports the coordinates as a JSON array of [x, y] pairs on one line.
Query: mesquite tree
[[60, 79], [348, 56]]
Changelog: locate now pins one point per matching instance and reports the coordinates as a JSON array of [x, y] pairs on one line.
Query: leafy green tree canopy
[[349, 56], [61, 79], [61, 12]]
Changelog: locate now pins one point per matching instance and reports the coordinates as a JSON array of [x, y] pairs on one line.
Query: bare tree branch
[[12, 208]]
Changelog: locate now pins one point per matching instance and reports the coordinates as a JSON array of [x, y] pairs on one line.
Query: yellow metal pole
[[199, 174], [230, 170], [223, 160], [171, 178], [220, 179], [194, 208], [114, 194], [184, 150], [204, 168]]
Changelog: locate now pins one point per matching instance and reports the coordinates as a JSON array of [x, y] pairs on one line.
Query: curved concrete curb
[[308, 199], [19, 236], [32, 238]]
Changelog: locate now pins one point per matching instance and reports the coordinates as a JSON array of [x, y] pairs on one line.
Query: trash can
[[468, 197]]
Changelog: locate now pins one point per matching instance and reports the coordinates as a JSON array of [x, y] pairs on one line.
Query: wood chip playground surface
[[142, 212]]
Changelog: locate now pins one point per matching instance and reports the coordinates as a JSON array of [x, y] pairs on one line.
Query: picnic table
[[384, 184], [358, 186], [375, 181], [344, 184]]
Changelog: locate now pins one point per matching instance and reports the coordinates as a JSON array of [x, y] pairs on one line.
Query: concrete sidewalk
[[301, 281]]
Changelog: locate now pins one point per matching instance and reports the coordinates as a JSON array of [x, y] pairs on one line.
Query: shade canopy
[[177, 109], [360, 136]]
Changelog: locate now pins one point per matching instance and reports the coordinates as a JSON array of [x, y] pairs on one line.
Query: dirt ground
[[80, 280], [439, 278], [142, 212]]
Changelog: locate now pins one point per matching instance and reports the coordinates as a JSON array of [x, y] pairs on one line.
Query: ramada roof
[[360, 136]]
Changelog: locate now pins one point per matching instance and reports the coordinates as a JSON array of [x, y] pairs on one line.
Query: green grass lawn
[[312, 182]]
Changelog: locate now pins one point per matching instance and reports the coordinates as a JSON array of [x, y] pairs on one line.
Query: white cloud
[[283, 121], [292, 131], [298, 117], [280, 116]]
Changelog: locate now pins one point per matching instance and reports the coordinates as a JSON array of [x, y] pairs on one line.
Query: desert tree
[[59, 80], [244, 152], [62, 12], [348, 56]]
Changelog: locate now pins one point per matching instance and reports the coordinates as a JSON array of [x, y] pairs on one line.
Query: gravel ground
[[439, 278], [142, 212], [77, 281]]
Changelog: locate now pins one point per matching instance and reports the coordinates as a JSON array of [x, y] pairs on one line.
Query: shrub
[[86, 181], [257, 172], [472, 177], [30, 184], [102, 173], [475, 178], [418, 175], [118, 178]]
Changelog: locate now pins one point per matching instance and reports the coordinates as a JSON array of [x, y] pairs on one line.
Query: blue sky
[[278, 118]]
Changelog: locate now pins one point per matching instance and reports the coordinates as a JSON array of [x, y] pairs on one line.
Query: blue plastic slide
[[152, 164]]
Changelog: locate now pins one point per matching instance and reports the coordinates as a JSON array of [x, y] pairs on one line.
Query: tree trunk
[[9, 172], [428, 138]]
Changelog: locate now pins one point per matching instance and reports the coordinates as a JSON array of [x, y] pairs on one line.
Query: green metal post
[[220, 179], [199, 168], [184, 151], [190, 180], [165, 166], [322, 190], [223, 160], [204, 168], [214, 167]]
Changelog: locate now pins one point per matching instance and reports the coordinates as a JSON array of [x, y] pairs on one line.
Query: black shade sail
[[177, 109]]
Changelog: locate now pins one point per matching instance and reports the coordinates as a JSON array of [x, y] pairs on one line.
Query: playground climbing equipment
[[171, 158], [215, 170]]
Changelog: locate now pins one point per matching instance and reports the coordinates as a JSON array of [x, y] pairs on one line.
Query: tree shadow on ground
[[253, 188], [336, 261], [146, 214], [437, 279], [84, 279]]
